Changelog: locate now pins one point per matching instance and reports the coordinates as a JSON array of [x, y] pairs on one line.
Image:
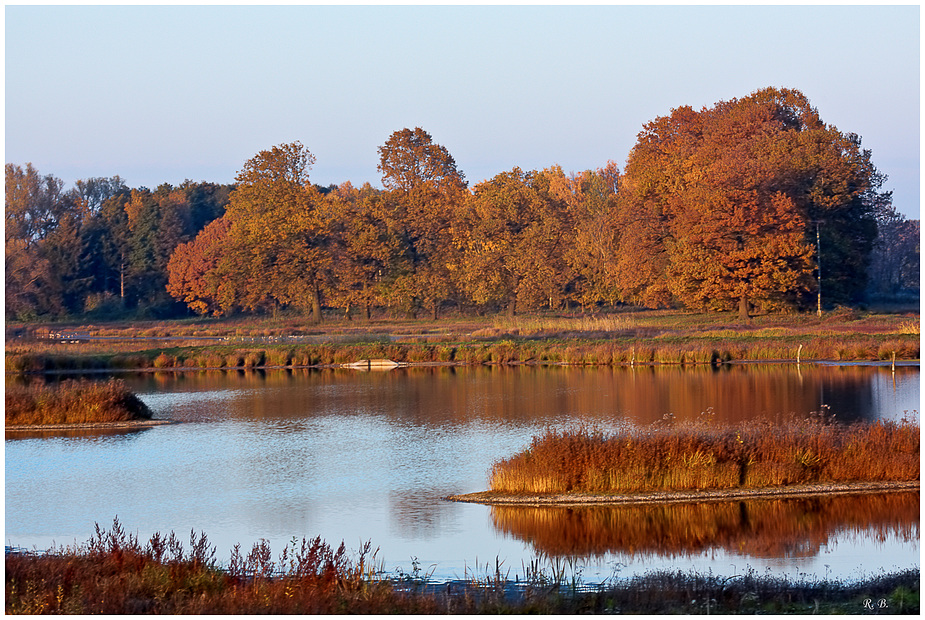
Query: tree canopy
[[716, 209], [410, 158], [720, 207]]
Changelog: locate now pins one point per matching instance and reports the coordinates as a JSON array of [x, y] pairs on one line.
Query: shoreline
[[361, 367], [666, 497], [31, 428]]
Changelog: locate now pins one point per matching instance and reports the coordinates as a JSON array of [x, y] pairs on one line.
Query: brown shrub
[[164, 361]]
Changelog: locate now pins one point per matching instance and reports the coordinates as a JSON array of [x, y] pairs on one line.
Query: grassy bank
[[38, 357], [72, 402], [702, 456], [115, 573], [627, 338]]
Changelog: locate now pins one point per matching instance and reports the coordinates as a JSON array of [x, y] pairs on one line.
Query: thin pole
[[818, 272]]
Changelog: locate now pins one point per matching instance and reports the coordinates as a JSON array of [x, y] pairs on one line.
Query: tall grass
[[72, 402], [546, 326], [612, 352], [115, 573], [699, 456]]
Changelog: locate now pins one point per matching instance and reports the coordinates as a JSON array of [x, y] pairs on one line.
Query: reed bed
[[604, 352], [701, 456], [116, 573], [72, 402], [556, 326], [620, 338]]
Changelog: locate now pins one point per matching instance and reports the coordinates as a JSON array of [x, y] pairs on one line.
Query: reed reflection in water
[[781, 528]]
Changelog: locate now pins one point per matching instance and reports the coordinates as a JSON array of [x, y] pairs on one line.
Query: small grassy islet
[[698, 456], [72, 402]]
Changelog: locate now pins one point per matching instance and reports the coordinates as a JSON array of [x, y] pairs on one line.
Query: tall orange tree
[[719, 208], [425, 189], [364, 247], [589, 257], [279, 232]]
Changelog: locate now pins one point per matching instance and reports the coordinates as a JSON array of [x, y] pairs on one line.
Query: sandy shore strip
[[721, 495], [31, 428]]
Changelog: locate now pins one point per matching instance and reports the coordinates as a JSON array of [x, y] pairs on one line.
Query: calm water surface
[[355, 456]]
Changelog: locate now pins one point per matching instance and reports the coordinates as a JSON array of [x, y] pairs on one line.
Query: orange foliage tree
[[364, 247], [590, 200], [425, 190], [198, 271], [512, 234], [279, 231], [718, 208]]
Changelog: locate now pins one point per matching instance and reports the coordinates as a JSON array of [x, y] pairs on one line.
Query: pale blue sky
[[164, 93]]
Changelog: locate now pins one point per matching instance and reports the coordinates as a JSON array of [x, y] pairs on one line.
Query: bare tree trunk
[[436, 310], [316, 304], [743, 308]]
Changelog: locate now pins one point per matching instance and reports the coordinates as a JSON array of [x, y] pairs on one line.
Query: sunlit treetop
[[410, 158]]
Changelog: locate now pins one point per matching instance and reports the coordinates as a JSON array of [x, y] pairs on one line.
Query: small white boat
[[377, 364]]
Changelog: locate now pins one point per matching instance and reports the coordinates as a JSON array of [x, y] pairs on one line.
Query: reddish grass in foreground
[[72, 402], [699, 456], [114, 573]]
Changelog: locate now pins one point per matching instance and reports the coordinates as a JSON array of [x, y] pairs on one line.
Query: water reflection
[[415, 515], [548, 394], [88, 434], [783, 528]]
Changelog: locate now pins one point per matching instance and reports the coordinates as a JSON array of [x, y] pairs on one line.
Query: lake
[[354, 456]]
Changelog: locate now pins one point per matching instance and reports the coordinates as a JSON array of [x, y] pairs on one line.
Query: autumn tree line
[[741, 206]]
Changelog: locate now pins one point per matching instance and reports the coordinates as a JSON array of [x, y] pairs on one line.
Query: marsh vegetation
[[116, 573], [72, 402], [622, 338], [703, 456]]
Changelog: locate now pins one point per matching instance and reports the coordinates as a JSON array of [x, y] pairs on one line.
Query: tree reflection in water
[[782, 528]]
